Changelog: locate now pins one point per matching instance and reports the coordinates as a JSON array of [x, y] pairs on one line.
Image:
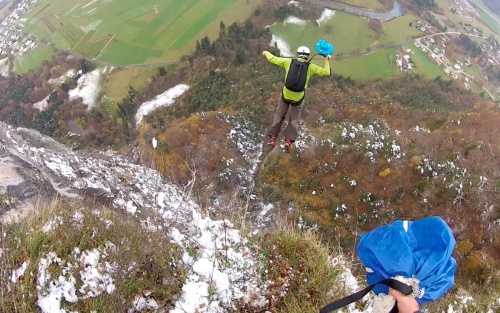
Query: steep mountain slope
[[36, 163]]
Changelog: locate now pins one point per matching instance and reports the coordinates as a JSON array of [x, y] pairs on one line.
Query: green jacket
[[313, 70]]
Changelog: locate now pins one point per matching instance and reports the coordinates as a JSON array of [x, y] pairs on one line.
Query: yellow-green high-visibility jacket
[[312, 70]]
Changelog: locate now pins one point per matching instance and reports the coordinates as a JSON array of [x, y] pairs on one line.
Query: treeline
[[469, 46], [40, 100], [424, 4], [420, 6]]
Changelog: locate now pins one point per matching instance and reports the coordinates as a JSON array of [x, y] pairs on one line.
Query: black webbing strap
[[392, 283]]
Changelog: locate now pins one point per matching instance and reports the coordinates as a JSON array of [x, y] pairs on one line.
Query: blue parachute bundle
[[324, 48], [420, 249]]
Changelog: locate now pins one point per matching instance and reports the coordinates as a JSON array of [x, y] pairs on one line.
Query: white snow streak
[[282, 45], [165, 99], [87, 89], [325, 16]]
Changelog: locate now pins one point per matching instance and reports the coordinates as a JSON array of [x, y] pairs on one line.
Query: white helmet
[[303, 52]]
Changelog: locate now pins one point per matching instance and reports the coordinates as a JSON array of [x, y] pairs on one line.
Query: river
[[388, 15]]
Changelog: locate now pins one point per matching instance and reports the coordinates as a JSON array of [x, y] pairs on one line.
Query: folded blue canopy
[[324, 48], [420, 249]]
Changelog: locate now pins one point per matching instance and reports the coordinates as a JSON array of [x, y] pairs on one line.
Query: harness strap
[[392, 283]]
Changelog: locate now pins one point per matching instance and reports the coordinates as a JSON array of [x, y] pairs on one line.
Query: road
[[396, 10]]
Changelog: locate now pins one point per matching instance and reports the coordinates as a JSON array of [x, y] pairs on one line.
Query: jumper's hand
[[406, 304], [264, 52], [327, 57]]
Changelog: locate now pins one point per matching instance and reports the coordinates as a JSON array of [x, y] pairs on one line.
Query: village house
[[13, 37]]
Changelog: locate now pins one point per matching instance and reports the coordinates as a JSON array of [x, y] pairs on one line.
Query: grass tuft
[[300, 268], [137, 260]]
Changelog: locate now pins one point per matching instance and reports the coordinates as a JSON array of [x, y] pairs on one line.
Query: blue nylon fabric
[[324, 48], [423, 252]]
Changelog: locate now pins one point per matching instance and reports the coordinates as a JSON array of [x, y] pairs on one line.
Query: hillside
[[120, 238], [368, 153]]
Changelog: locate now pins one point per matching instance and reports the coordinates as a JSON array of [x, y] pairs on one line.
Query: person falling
[[298, 73]]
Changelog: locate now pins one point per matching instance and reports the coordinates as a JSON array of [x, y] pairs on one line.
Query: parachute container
[[324, 48]]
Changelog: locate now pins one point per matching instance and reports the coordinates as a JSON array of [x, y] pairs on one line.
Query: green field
[[358, 38], [132, 31], [346, 40], [32, 60], [487, 15], [473, 71], [399, 29], [379, 64], [119, 80], [489, 20], [424, 65], [478, 89]]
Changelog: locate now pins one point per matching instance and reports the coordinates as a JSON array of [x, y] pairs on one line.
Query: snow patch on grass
[[295, 20], [87, 89], [42, 104], [165, 99], [282, 45], [325, 16]]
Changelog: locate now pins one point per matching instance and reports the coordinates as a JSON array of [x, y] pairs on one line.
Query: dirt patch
[[49, 24]]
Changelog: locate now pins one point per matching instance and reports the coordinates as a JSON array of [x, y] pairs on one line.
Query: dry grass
[[300, 267], [296, 263], [141, 258]]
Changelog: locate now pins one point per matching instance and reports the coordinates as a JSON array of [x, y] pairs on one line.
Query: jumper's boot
[[288, 145], [272, 142]]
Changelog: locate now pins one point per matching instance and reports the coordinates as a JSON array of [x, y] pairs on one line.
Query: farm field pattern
[[132, 31]]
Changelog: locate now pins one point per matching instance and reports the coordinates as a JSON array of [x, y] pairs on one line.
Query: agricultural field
[[425, 66], [473, 70], [489, 20], [32, 60], [399, 29], [118, 82], [494, 19], [358, 38], [479, 90], [133, 31], [346, 40], [377, 64]]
